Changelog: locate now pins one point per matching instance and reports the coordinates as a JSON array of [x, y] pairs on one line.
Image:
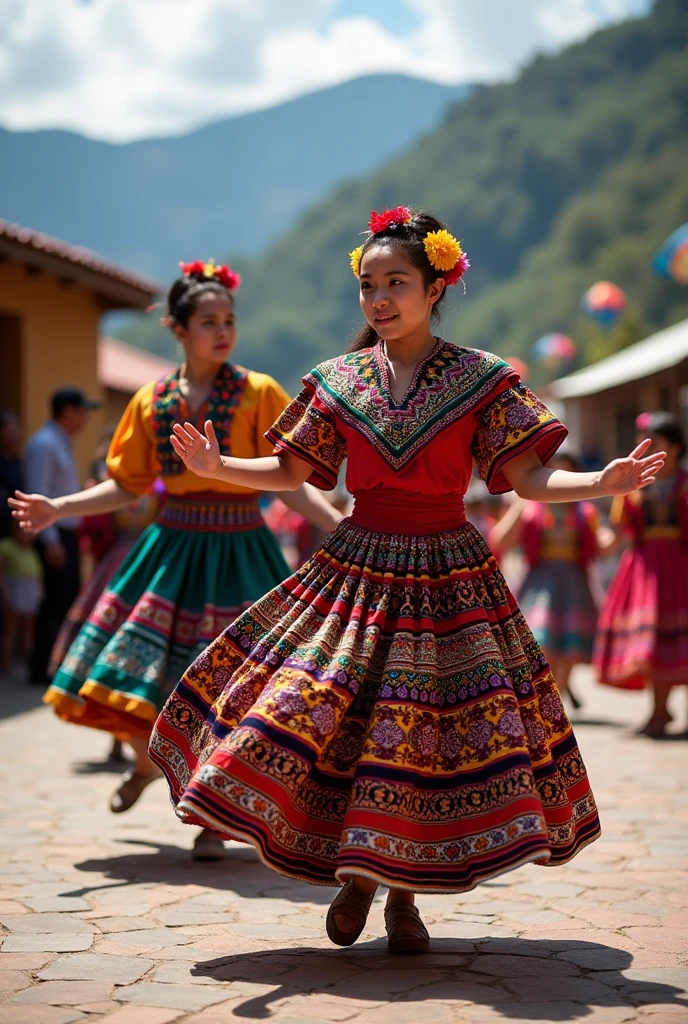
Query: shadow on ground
[[103, 767], [241, 872], [551, 980], [17, 696]]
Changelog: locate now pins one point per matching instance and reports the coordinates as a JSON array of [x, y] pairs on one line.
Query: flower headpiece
[[444, 252], [209, 271], [389, 219]]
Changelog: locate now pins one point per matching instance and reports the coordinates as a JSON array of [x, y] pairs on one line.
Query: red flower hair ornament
[[209, 271], [388, 219]]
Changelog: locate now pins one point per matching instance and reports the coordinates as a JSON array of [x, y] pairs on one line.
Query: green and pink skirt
[[204, 560]]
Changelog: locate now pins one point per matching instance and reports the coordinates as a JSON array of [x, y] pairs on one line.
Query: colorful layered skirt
[[643, 629], [558, 605], [385, 711], [88, 598], [203, 561]]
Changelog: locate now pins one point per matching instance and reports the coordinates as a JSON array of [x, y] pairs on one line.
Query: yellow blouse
[[133, 458]]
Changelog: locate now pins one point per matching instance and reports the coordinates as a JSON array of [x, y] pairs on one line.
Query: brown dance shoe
[[406, 932], [352, 904]]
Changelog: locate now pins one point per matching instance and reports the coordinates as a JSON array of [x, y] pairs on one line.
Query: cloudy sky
[[127, 69]]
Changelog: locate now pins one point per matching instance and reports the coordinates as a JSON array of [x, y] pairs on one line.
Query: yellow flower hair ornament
[[355, 258], [445, 255]]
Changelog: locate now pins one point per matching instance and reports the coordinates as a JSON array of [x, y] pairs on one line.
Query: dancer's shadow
[[101, 767], [538, 979], [241, 872]]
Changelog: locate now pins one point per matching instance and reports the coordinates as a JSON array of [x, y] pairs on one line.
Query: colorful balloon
[[605, 303], [554, 350], [671, 259], [519, 366]]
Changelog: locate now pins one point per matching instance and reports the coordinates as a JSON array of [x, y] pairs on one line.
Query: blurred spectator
[[21, 587], [560, 543], [642, 641], [50, 469], [11, 477]]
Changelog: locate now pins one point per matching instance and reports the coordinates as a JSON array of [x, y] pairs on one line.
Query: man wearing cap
[[50, 469]]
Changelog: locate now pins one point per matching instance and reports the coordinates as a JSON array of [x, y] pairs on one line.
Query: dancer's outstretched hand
[[34, 512], [630, 474], [199, 452]]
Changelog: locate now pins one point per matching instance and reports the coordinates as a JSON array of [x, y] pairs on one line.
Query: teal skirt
[[203, 561]]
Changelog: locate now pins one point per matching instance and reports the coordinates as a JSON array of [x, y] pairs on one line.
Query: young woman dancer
[[385, 716], [559, 542], [208, 555], [643, 633]]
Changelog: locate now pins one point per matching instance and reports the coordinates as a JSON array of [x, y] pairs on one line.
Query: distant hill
[[232, 185], [572, 173]]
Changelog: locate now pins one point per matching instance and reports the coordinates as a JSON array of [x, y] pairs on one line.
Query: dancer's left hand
[[199, 452], [637, 470]]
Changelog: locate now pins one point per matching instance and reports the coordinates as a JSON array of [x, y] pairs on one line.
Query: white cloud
[[123, 69]]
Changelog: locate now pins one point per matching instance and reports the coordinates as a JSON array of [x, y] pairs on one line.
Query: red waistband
[[389, 511]]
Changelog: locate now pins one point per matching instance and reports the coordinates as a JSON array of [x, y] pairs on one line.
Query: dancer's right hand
[[34, 512], [199, 452]]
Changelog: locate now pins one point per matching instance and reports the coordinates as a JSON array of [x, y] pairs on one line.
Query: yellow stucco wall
[[58, 348]]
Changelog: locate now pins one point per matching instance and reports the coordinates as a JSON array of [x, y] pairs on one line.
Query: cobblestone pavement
[[107, 917]]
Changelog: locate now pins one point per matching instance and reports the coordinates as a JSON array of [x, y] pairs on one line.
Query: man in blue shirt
[[50, 469]]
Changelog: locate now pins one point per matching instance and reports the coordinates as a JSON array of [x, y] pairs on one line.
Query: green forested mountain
[[572, 173]]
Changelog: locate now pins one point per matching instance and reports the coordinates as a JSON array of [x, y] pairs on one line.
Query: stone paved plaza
[[106, 917]]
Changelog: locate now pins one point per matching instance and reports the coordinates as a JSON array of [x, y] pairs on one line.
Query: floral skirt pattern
[[187, 577], [558, 605], [643, 631], [385, 711]]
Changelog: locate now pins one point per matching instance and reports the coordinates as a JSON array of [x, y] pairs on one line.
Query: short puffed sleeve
[[132, 458], [513, 422], [308, 430]]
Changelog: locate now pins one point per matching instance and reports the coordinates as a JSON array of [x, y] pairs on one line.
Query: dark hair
[[667, 426], [410, 237], [183, 297]]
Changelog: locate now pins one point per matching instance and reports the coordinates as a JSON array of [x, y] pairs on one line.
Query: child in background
[[643, 634], [21, 586]]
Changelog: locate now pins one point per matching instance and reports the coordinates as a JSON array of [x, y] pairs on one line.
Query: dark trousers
[[61, 589]]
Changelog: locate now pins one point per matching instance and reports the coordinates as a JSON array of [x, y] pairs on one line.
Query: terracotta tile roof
[[125, 368], [78, 256]]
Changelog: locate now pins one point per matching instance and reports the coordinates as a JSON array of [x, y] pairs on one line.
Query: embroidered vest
[[219, 407]]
